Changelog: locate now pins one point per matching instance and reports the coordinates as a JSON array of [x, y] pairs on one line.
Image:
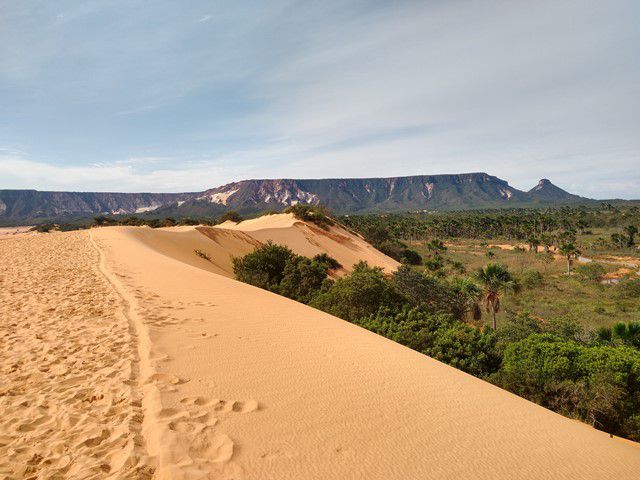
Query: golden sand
[[123, 358]]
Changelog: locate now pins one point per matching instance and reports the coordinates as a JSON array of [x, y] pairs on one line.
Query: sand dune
[[222, 242], [307, 239], [204, 377]]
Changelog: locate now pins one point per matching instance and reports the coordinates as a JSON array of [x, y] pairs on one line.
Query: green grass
[[590, 302]]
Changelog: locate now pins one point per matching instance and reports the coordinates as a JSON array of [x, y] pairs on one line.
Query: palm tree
[[631, 230], [465, 298], [569, 250], [495, 280]]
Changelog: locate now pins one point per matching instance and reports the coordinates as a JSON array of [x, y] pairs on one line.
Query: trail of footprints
[[69, 408], [195, 425]]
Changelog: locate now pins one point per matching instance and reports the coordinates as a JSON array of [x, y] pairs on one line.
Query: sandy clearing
[[252, 385], [69, 407]]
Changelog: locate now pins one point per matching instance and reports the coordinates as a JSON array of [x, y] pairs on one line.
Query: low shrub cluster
[[381, 239], [133, 221], [311, 213], [277, 269]]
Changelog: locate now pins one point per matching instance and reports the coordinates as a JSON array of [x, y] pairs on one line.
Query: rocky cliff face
[[33, 205], [393, 194], [342, 195]]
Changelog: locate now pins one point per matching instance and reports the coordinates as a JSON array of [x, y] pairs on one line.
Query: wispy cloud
[[288, 88]]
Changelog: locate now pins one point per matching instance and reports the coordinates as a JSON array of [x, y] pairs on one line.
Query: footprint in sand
[[245, 406], [166, 378], [212, 446]]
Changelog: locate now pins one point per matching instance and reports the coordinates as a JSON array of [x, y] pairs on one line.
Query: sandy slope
[[222, 242], [240, 383], [308, 239], [69, 403]]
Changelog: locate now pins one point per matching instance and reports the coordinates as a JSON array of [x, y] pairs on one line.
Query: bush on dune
[[359, 294], [311, 213], [231, 216], [440, 336], [264, 267], [330, 262], [303, 278], [599, 384]]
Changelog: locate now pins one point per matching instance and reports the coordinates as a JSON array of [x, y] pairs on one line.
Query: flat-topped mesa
[[341, 195]]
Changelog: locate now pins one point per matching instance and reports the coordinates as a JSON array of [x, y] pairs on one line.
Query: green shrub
[[359, 294], [531, 279], [202, 255], [264, 267], [330, 262], [628, 289], [590, 272], [420, 289], [599, 384], [439, 336], [311, 213], [566, 327], [302, 279], [232, 216], [467, 348], [44, 227], [410, 257], [435, 262], [518, 327], [411, 327], [628, 333]]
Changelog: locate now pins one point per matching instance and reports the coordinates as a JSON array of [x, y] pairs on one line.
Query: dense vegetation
[[538, 228], [588, 374]]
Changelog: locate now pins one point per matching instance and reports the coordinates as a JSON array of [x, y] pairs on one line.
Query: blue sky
[[183, 96]]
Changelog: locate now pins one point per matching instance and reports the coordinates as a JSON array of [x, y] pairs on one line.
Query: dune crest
[[227, 240], [308, 239]]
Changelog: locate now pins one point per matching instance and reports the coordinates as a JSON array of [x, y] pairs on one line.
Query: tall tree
[[495, 280], [631, 230], [569, 251]]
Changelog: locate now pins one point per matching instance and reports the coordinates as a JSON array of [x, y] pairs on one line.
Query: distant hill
[[341, 195], [36, 206], [547, 191], [359, 195]]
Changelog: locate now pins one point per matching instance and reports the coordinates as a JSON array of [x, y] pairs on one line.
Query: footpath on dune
[[69, 403], [240, 383]]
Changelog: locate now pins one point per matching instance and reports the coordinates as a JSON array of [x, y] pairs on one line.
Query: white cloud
[[190, 176], [325, 89]]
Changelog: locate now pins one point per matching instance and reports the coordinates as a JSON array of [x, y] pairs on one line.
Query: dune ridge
[[308, 239]]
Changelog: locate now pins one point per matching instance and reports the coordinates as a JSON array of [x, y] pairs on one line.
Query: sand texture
[[226, 381], [69, 407]]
